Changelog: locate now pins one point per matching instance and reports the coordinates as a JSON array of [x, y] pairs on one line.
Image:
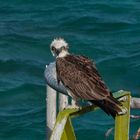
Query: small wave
[[22, 87], [18, 111], [15, 63]]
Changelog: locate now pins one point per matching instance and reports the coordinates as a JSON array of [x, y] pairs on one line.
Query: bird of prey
[[81, 79]]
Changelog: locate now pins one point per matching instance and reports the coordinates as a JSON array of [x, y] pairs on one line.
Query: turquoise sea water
[[106, 31]]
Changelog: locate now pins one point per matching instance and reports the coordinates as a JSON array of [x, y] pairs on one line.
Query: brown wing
[[80, 76]]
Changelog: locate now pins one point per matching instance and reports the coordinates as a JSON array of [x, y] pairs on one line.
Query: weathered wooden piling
[[51, 110], [51, 107]]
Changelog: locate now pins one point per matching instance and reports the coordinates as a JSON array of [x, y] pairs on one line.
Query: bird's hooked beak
[[57, 51]]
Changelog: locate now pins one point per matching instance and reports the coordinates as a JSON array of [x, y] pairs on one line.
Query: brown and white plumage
[[82, 80]]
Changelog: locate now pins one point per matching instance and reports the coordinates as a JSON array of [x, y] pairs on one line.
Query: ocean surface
[[106, 31]]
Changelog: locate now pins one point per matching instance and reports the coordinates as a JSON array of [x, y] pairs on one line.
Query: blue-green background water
[[106, 31]]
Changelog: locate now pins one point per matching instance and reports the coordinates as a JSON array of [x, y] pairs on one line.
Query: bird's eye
[[53, 48]]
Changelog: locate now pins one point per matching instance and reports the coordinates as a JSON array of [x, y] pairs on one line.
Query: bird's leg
[[123, 109], [123, 99], [74, 104]]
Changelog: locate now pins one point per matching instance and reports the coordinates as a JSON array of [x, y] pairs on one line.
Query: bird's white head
[[59, 47]]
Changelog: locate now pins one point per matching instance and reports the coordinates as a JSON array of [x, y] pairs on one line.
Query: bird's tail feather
[[109, 105]]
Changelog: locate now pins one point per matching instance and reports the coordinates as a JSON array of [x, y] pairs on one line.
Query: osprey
[[80, 77]]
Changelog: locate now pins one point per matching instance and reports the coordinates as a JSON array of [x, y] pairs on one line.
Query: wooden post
[[51, 110]]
